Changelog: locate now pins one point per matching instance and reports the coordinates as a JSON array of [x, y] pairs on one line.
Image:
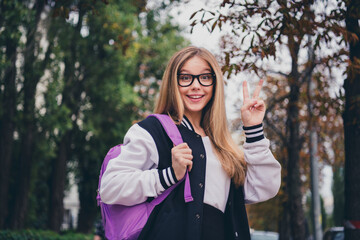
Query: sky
[[200, 36]]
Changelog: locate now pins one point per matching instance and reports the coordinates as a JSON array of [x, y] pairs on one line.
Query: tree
[[33, 70], [352, 123], [338, 192], [98, 90], [15, 14], [67, 95], [9, 38], [116, 105]]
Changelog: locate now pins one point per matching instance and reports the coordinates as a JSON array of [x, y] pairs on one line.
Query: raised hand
[[253, 109], [181, 159]]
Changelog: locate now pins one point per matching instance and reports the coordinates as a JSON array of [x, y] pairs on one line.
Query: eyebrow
[[187, 72]]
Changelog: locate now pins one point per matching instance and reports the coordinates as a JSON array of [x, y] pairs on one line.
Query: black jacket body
[[173, 218]]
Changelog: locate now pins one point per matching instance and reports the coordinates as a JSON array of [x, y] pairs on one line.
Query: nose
[[196, 84]]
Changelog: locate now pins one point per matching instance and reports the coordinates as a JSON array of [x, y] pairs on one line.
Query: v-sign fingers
[[258, 89], [245, 90]]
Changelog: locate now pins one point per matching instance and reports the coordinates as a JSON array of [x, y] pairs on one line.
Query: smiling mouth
[[195, 96]]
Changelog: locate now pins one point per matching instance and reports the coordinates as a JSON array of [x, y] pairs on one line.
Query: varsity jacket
[[143, 171]]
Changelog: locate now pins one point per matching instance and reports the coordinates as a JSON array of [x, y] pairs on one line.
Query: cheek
[[182, 92], [210, 91]]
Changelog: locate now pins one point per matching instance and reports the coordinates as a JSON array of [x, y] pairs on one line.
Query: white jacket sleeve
[[132, 177], [263, 177]]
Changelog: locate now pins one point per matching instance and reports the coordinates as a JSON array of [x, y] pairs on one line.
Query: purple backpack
[[126, 222]]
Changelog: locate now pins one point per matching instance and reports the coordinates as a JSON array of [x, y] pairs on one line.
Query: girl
[[222, 177]]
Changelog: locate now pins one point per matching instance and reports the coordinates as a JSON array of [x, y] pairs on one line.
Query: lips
[[195, 98]]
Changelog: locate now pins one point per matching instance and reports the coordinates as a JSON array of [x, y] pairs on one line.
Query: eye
[[185, 77], [206, 77]]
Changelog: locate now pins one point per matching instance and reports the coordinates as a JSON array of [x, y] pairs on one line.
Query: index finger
[[182, 145], [258, 89], [245, 90]]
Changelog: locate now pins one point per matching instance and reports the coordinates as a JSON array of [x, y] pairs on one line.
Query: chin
[[193, 110]]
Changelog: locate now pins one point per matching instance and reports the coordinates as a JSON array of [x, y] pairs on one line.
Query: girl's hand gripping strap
[[175, 136]]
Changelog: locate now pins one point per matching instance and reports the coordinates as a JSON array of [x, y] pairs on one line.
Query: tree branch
[[279, 73], [277, 131], [273, 101]]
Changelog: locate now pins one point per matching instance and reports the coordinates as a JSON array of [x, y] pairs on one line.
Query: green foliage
[[85, 70], [338, 188], [31, 234], [309, 213]]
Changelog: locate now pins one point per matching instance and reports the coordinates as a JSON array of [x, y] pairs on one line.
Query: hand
[[253, 109], [181, 156]]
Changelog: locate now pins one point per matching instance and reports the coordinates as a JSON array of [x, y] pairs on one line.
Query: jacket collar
[[185, 121]]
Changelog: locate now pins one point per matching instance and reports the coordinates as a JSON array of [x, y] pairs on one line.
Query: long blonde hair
[[213, 121]]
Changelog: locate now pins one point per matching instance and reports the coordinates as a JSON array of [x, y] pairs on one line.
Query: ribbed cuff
[[254, 133], [167, 177]]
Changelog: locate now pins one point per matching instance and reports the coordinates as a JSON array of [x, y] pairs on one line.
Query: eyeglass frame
[[198, 78]]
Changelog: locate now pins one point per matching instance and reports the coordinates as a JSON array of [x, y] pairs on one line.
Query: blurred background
[[75, 74]]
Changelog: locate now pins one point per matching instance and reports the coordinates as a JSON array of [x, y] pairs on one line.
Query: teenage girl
[[223, 178]]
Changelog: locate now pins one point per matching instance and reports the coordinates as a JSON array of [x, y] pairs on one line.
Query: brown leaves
[[61, 12], [63, 9], [196, 12], [353, 68], [350, 37]]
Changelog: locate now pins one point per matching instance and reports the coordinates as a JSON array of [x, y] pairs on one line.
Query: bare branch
[[276, 130], [278, 73], [273, 101]]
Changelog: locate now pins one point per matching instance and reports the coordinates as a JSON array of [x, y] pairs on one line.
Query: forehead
[[195, 63]]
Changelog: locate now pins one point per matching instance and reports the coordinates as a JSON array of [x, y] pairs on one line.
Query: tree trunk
[[31, 79], [294, 180], [284, 226], [351, 118], [313, 146], [284, 223], [59, 166], [57, 185], [296, 212], [87, 194], [71, 99], [7, 128], [338, 192]]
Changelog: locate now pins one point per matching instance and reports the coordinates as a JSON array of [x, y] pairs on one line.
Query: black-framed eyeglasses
[[205, 79]]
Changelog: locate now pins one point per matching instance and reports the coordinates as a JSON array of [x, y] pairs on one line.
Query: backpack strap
[[170, 128], [175, 136]]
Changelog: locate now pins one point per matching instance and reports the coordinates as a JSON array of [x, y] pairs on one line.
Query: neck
[[195, 119]]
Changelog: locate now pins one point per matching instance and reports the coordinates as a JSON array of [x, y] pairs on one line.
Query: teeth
[[195, 96]]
